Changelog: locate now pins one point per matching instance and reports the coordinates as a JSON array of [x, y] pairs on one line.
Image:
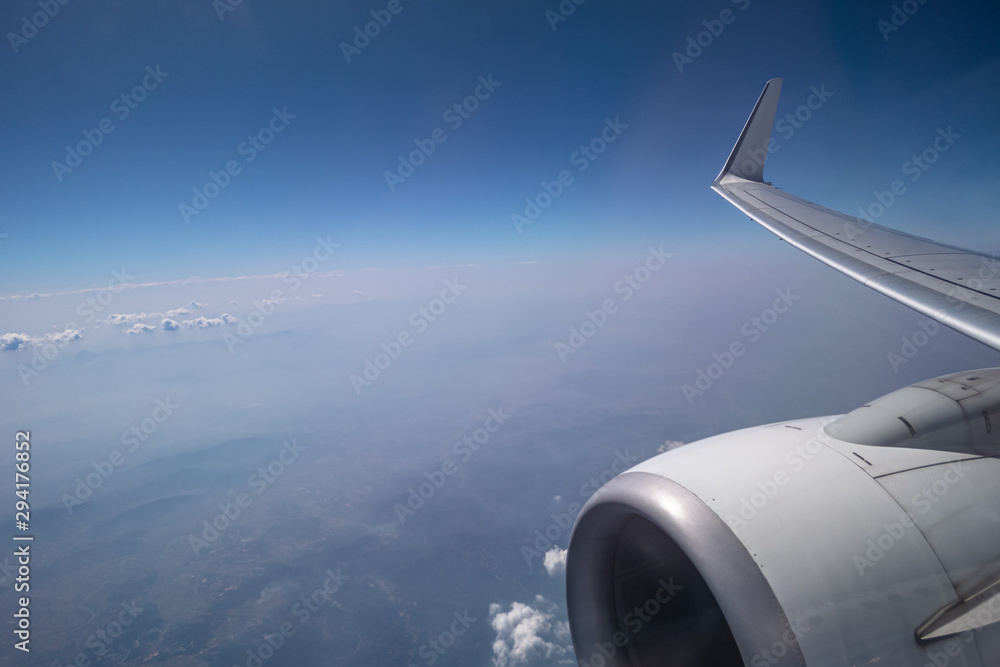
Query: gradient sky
[[558, 86], [324, 174]]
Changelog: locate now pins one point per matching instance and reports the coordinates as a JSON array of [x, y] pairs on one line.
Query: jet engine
[[872, 538]]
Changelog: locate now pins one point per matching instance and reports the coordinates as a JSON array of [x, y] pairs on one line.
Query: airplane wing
[[959, 288]]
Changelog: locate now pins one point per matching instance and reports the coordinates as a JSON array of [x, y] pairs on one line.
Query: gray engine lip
[[748, 602]]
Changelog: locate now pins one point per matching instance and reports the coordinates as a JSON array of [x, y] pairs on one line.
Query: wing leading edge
[[956, 287]]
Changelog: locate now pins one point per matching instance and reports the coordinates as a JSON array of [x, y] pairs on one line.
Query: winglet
[[750, 152]]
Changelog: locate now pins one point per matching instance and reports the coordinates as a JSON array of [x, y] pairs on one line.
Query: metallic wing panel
[[959, 288]]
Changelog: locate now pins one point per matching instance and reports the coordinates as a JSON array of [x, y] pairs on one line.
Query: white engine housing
[[782, 545]]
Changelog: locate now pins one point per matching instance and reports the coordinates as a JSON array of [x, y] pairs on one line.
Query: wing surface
[[959, 288]]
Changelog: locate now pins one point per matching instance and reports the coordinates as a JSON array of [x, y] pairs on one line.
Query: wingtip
[[750, 152]]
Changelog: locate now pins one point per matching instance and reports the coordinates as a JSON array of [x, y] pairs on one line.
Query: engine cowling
[[785, 545]]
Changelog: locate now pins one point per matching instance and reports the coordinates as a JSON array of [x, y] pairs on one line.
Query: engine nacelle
[[783, 545]]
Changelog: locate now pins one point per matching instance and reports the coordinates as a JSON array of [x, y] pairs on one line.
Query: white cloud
[[15, 341], [167, 320], [527, 634], [555, 561], [205, 322], [195, 304], [122, 318], [65, 336], [132, 318], [11, 342]]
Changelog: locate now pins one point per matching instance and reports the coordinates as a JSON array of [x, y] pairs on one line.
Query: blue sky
[[325, 172], [254, 314]]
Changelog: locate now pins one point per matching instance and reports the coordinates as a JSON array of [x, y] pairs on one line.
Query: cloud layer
[[11, 342], [168, 320], [132, 318]]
